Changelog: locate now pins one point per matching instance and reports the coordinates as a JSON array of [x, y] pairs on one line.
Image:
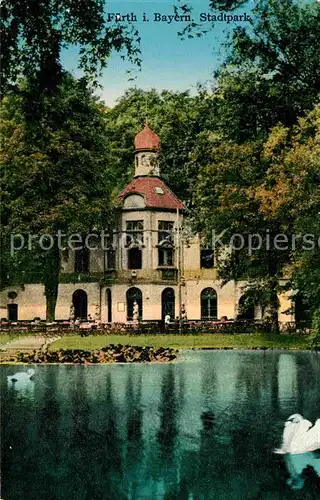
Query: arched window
[[168, 303], [246, 308], [134, 295], [109, 305], [209, 304], [80, 304]]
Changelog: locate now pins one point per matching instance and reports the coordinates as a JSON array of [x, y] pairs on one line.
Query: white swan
[[299, 436], [21, 376]]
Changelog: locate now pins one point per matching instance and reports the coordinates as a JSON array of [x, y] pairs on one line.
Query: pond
[[202, 428]]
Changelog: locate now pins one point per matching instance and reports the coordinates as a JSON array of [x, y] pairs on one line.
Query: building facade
[[150, 267]]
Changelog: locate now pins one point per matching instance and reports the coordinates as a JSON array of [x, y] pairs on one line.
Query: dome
[[146, 140]]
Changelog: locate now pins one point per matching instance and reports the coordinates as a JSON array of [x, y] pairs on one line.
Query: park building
[[152, 262]]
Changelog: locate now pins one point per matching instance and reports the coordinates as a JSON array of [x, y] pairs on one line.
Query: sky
[[167, 61]]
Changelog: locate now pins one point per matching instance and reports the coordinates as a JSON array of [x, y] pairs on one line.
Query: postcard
[[160, 249]]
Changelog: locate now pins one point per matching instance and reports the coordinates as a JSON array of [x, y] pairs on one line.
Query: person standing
[[135, 314], [167, 321]]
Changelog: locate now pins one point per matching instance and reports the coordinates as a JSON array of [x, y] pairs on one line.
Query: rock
[[120, 358], [108, 354]]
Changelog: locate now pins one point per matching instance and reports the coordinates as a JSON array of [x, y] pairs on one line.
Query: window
[[165, 257], [165, 232], [134, 225], [169, 274], [134, 243], [134, 233], [209, 304], [134, 258], [81, 260], [165, 243], [159, 190], [111, 259], [207, 258]]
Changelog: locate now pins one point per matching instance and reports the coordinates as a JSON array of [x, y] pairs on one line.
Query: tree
[[262, 191], [35, 31], [290, 193], [226, 5], [228, 214], [271, 76], [46, 149], [272, 72], [54, 178]]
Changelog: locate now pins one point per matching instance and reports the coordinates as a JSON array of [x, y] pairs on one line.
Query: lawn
[[217, 341], [6, 337]]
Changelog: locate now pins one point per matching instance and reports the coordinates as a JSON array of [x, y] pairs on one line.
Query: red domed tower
[[147, 185], [146, 145], [146, 140]]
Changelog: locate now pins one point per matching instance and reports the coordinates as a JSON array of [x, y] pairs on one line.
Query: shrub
[[316, 329]]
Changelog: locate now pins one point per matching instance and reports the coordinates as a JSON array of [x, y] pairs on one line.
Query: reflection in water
[[24, 387], [287, 381], [22, 382], [302, 467], [168, 412], [204, 428], [301, 450]]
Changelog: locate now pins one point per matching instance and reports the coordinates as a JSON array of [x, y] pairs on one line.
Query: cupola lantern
[[146, 144]]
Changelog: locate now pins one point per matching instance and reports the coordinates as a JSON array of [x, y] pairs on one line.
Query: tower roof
[[146, 139], [155, 192]]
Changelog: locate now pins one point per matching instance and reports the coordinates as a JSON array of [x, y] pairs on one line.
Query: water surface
[[202, 428]]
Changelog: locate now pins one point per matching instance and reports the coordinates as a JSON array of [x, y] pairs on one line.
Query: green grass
[[241, 341], [7, 337], [4, 338]]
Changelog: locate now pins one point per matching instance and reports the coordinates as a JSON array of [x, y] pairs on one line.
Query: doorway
[[80, 304], [246, 309], [12, 312], [168, 303], [134, 295]]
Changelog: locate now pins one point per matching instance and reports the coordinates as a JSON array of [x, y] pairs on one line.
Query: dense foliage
[[54, 178], [258, 171], [261, 190], [272, 73], [34, 32]]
